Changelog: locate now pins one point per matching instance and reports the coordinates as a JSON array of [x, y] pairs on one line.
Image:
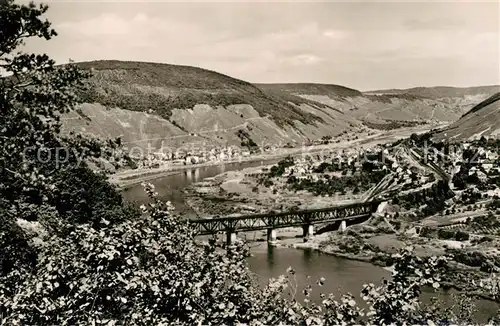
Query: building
[[494, 193], [472, 170], [482, 176]]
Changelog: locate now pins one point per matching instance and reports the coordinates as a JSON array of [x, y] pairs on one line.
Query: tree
[[145, 271], [44, 175], [33, 97]]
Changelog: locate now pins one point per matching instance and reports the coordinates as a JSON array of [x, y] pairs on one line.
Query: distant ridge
[[490, 100], [482, 120], [312, 89], [441, 91]]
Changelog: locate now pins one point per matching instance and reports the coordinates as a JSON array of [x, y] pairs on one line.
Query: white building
[[473, 170], [490, 155], [487, 167], [494, 193], [482, 176]]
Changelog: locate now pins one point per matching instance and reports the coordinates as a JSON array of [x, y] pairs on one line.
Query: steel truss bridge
[[304, 218]]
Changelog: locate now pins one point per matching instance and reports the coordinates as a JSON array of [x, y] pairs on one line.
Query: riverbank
[[459, 277], [377, 249], [128, 178]]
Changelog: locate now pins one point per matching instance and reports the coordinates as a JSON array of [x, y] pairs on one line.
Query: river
[[342, 275]]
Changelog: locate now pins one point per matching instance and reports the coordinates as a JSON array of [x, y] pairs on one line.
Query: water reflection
[[171, 187], [308, 253], [270, 257]]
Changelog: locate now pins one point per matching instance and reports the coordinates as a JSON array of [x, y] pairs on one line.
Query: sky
[[364, 45]]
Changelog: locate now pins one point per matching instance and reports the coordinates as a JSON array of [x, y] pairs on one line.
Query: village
[[161, 158]]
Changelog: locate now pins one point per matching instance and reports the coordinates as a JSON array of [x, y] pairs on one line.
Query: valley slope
[[482, 120], [151, 104]]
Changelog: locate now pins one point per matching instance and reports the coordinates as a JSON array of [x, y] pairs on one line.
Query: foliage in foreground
[[44, 175], [151, 271]]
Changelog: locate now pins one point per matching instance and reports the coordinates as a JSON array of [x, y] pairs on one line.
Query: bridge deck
[[284, 219]]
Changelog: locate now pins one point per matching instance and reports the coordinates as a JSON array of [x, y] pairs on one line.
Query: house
[[301, 170], [494, 193], [178, 161], [482, 176], [192, 160], [473, 170], [492, 156], [488, 166]]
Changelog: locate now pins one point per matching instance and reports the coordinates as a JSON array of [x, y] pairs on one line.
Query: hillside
[[150, 104], [141, 86], [482, 120], [312, 89], [390, 107], [155, 105]]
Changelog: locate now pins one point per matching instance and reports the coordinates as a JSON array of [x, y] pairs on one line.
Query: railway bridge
[[344, 215]]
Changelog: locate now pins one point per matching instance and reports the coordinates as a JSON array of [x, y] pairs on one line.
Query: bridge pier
[[342, 226], [271, 235], [230, 237], [308, 231]]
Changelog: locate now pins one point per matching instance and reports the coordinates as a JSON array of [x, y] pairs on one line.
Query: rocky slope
[[154, 105], [482, 120]]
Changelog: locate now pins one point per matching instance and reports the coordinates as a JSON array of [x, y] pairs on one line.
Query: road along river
[[342, 275]]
